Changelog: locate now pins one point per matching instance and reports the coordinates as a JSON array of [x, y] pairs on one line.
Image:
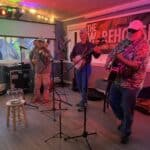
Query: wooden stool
[[16, 108]]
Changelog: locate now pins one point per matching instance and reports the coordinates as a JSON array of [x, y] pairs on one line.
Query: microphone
[[22, 47]]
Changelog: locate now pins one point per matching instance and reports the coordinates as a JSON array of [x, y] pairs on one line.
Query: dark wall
[[60, 50]]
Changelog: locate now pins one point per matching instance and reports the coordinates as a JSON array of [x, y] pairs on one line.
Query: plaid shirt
[[137, 51]]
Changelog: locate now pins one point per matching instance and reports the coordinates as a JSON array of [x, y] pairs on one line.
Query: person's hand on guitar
[[34, 60], [97, 49], [79, 62]]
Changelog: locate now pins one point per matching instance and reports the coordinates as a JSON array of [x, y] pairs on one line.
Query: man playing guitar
[[130, 60]]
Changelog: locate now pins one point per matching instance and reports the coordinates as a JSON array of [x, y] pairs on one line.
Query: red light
[[3, 12]]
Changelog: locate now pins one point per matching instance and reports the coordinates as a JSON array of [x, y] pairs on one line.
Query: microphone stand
[[85, 133], [22, 79]]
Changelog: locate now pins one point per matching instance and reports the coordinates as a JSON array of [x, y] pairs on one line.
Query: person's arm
[[73, 54], [138, 60]]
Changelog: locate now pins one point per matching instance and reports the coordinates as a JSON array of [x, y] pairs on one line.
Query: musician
[[41, 61], [130, 58], [81, 56]]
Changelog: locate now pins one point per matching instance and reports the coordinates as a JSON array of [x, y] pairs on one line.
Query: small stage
[[41, 126]]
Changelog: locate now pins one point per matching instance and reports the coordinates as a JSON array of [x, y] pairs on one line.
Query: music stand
[[54, 109], [60, 133]]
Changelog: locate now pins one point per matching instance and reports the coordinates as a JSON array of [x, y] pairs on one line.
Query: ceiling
[[67, 9]]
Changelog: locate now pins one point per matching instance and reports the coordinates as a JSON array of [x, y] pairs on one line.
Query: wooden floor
[[42, 126]]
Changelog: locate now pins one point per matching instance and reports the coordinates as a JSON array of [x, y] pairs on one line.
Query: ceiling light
[[46, 19], [39, 16], [32, 11], [3, 12], [23, 10], [52, 19]]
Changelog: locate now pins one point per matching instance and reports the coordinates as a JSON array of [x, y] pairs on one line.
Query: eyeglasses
[[132, 30]]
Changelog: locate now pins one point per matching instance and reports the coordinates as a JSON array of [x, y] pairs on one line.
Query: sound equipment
[[143, 105], [20, 76], [95, 95], [143, 101]]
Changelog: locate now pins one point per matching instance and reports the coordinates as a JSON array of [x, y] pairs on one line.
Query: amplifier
[[20, 78]]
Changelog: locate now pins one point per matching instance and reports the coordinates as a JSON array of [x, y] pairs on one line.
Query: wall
[[26, 29], [115, 12], [99, 73]]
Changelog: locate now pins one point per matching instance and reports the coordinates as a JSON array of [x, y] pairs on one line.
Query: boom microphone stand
[[85, 133], [21, 47]]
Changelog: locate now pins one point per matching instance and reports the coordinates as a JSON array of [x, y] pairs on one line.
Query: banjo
[[79, 62]]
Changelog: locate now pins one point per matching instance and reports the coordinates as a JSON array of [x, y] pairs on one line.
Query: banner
[[115, 30]]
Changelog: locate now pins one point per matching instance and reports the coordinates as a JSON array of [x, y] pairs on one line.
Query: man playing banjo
[[81, 56]]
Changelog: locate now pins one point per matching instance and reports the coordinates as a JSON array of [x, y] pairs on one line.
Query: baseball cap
[[41, 40], [136, 25]]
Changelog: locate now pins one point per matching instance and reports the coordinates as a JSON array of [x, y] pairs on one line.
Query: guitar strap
[[84, 53]]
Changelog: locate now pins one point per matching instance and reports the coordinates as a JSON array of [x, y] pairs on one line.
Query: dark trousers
[[122, 101]]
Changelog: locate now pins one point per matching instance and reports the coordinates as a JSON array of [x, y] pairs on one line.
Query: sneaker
[[81, 104], [86, 104], [80, 109], [125, 139]]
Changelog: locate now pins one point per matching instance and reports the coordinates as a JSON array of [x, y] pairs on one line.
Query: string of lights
[[16, 9], [10, 12]]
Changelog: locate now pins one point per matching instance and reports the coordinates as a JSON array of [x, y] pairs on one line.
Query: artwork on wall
[[10, 47], [114, 30]]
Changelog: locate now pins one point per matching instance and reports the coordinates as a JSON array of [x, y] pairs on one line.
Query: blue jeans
[[82, 77], [122, 101]]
